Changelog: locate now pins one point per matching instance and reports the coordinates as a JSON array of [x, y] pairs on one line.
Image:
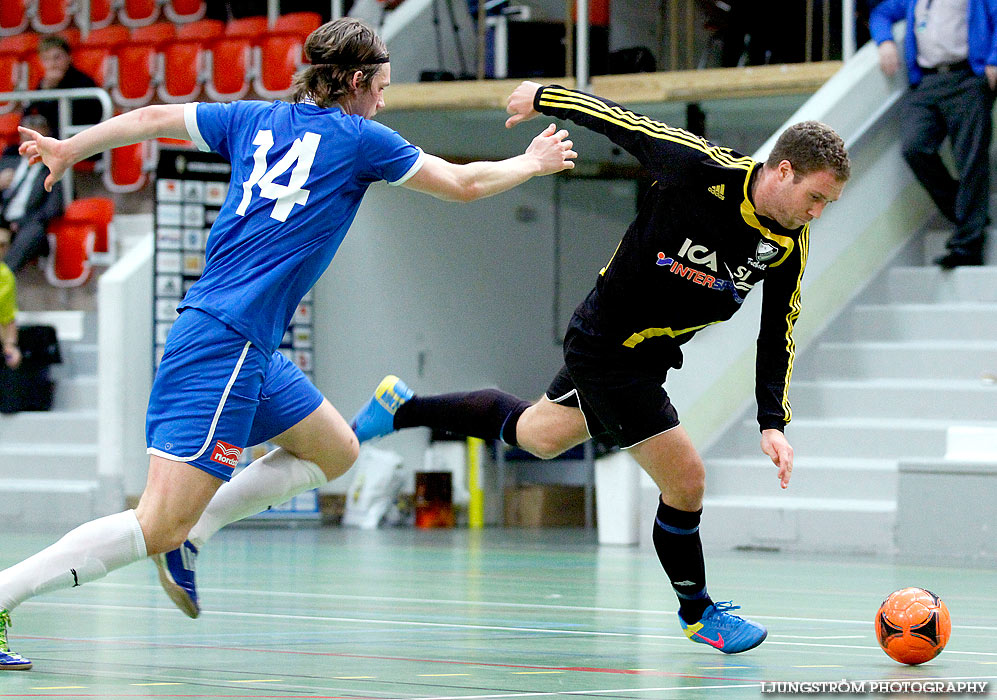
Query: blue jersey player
[[299, 172]]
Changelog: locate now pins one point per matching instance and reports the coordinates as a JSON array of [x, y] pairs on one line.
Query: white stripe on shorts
[[214, 421]]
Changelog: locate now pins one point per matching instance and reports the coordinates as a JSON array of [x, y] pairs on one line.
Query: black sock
[[680, 551], [488, 414]]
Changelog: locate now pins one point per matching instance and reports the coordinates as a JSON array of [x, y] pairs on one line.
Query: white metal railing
[[65, 98]]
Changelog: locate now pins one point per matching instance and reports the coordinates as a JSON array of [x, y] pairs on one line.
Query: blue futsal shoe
[[722, 630], [377, 417], [9, 661], [176, 576]]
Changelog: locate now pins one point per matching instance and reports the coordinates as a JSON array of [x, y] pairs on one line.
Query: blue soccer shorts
[[215, 393]]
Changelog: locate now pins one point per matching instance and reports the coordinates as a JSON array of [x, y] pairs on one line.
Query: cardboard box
[[545, 505]]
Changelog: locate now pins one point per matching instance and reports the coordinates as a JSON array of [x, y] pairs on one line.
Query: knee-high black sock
[[680, 551], [488, 414]]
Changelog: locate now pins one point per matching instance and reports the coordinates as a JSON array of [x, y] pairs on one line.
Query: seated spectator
[[25, 206], [8, 307], [61, 74]]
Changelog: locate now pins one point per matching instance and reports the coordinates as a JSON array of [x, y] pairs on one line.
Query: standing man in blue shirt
[[299, 173], [950, 50]]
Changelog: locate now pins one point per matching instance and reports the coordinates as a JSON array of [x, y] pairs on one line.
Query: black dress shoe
[[952, 260]]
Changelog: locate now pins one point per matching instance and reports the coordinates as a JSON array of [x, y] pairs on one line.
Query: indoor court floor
[[453, 614]]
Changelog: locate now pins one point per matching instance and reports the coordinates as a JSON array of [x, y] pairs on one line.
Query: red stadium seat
[[124, 168], [181, 11], [202, 30], [93, 61], [51, 15], [73, 35], [8, 129], [20, 44], [154, 33], [11, 78], [138, 13], [300, 23], [179, 72], [101, 14], [277, 58], [98, 212], [252, 28], [108, 36], [13, 17], [229, 62], [134, 72], [70, 246]]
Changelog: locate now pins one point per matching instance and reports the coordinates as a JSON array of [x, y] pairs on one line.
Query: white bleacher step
[[858, 478], [57, 427], [65, 502], [798, 524], [870, 438], [970, 321], [78, 360], [22, 460], [75, 394], [933, 243], [916, 359], [939, 399], [52, 427], [909, 285]]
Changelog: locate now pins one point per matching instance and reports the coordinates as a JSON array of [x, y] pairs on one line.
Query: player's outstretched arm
[[125, 129], [550, 152], [777, 447]]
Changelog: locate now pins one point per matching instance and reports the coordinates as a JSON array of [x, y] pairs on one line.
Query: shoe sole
[[177, 594], [15, 667]]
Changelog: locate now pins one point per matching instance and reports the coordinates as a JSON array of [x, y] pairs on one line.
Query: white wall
[[124, 371]]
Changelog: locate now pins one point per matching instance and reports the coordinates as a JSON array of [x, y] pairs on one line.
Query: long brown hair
[[337, 50]]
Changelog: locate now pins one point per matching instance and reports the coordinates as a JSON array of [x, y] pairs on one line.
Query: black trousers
[[956, 104]]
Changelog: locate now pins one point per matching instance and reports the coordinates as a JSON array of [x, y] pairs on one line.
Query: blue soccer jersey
[[299, 172]]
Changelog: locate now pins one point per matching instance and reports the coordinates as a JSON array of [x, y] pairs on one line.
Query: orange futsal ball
[[913, 625]]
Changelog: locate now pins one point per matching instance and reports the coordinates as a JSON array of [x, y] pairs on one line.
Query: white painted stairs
[[48, 460], [913, 356]]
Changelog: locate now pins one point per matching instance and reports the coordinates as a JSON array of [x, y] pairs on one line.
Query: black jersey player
[[714, 224]]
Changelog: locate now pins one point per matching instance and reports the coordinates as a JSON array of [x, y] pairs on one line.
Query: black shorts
[[620, 393]]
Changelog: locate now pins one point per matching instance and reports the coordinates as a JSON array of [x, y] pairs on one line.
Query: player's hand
[[37, 148], [991, 73], [6, 178], [889, 59], [520, 103], [775, 445], [552, 149]]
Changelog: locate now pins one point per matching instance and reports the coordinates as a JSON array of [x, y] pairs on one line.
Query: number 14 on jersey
[[301, 155]]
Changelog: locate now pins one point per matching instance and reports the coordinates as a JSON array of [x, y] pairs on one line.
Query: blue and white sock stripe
[[675, 530]]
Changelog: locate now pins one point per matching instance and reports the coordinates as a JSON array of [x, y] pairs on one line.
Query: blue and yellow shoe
[[722, 630], [176, 576], [377, 417], [9, 661]]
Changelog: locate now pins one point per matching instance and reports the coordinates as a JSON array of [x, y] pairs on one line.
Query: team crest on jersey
[[226, 454], [765, 251]]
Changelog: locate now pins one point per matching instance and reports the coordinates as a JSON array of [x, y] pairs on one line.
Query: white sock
[[82, 555], [269, 481]]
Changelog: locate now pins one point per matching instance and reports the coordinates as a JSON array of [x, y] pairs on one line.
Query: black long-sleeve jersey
[[696, 248]]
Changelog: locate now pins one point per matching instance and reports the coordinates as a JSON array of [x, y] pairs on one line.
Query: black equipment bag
[[28, 388]]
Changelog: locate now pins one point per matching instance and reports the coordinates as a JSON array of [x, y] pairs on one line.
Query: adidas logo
[[717, 191]]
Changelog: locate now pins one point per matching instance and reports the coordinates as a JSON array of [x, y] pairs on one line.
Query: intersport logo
[[226, 454]]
